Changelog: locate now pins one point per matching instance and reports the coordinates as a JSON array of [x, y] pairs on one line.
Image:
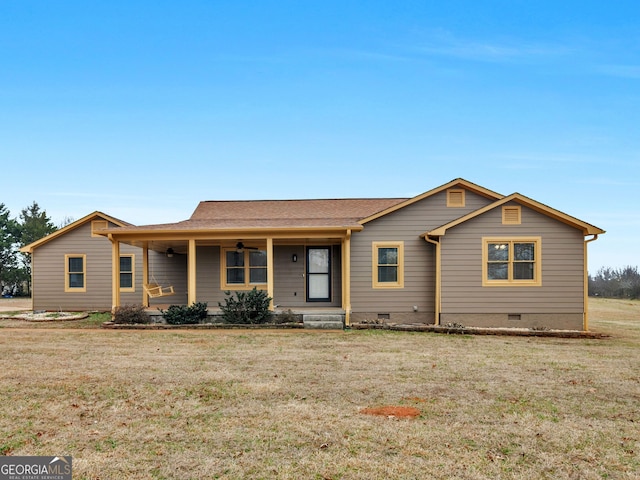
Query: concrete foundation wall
[[555, 321], [402, 318]]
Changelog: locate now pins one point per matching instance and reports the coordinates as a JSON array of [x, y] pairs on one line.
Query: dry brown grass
[[258, 404]]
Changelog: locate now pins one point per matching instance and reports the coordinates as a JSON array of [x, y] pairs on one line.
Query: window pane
[[523, 271], [126, 280], [125, 264], [76, 280], [387, 256], [75, 264], [235, 259], [258, 258], [318, 260], [318, 286], [258, 275], [524, 251], [498, 252], [498, 271], [235, 275], [387, 274]]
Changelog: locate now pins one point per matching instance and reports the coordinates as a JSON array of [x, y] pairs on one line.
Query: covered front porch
[[304, 274]]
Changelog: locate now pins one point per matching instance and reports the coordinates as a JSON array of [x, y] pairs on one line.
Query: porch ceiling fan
[[240, 247]]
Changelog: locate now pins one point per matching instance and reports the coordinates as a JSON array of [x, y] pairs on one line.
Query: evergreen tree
[[8, 254], [34, 225]]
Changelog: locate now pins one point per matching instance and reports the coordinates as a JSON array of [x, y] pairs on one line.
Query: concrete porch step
[[323, 321]]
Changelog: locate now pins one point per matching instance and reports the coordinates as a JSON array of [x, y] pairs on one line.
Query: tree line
[[15, 266], [615, 283]]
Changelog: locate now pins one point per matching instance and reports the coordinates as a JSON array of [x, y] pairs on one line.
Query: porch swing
[[154, 289]]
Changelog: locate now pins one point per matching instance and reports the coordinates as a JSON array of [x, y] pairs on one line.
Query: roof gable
[[587, 228], [458, 182], [72, 226]]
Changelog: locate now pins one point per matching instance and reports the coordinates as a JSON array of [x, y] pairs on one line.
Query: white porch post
[[270, 271], [191, 285]]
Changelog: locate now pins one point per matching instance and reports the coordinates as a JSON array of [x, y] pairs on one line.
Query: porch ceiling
[[181, 246]]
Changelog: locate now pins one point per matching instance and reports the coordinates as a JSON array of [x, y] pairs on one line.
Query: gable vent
[[455, 198], [98, 225], [511, 215]]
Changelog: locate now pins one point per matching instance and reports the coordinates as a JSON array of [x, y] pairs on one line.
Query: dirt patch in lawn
[[15, 304], [391, 411]]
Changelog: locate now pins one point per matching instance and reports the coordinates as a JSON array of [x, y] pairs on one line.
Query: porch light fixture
[[294, 258], [169, 252]]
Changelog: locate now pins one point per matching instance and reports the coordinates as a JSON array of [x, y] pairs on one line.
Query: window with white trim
[[512, 261], [388, 264]]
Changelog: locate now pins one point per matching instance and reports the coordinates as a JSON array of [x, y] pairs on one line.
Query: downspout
[[437, 306], [585, 319]]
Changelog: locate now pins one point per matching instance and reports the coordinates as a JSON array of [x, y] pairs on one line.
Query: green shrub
[[130, 314], [246, 307], [181, 315]]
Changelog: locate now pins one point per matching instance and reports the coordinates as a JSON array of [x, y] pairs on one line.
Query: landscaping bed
[[42, 316], [520, 332]]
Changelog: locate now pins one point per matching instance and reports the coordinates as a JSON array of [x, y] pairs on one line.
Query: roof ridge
[[305, 199]]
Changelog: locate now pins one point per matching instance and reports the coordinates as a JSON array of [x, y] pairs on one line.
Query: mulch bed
[[200, 326], [520, 332]]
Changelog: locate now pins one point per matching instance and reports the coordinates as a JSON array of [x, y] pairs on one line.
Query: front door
[[318, 274]]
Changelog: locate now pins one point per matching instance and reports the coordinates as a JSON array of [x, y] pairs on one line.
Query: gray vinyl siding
[[208, 276], [48, 268], [406, 224], [562, 289], [289, 279], [167, 271]]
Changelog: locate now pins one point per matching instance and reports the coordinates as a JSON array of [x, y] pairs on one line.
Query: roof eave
[[224, 232], [72, 226]]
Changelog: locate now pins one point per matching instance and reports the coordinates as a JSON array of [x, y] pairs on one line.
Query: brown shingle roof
[[353, 208], [225, 214]]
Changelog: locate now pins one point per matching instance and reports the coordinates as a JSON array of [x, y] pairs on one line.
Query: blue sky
[[141, 109]]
